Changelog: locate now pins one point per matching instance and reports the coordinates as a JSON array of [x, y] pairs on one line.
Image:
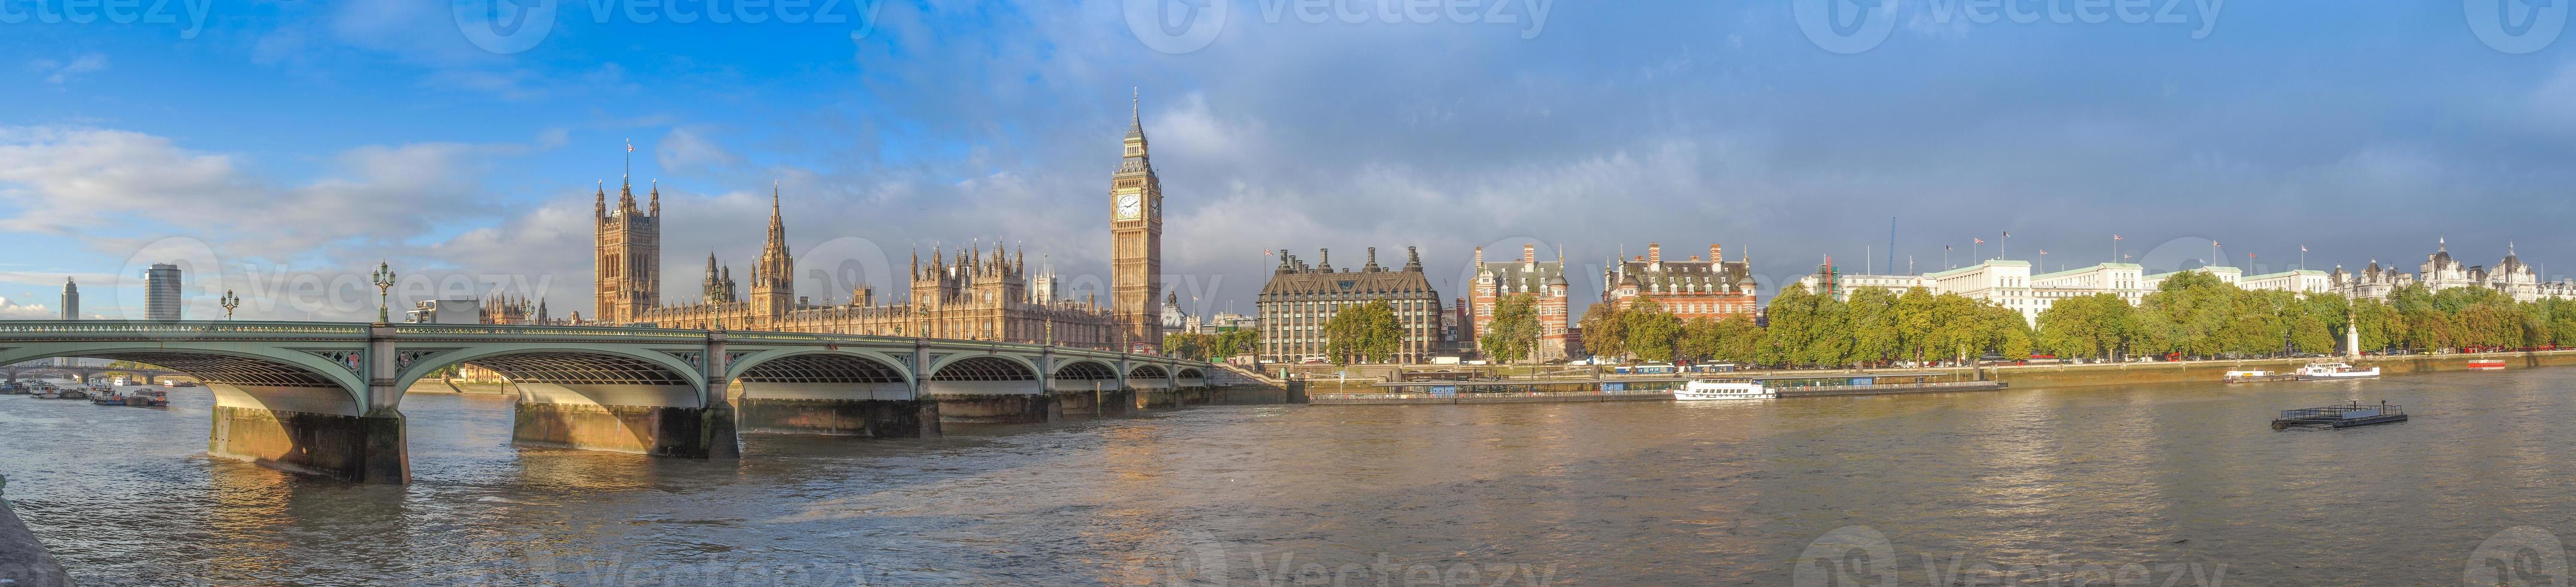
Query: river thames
[[2128, 485]]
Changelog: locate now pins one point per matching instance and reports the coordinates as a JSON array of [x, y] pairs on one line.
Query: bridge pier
[[358, 449], [653, 420], [1016, 408], [874, 418]]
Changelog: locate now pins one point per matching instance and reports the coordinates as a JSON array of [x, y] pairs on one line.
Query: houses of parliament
[[974, 295]]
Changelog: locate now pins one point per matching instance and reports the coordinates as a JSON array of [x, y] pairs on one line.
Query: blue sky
[[294, 143]]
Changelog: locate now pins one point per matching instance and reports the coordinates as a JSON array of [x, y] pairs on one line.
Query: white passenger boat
[[2333, 371], [1707, 390]]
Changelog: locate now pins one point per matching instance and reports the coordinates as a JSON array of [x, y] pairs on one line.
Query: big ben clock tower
[[1136, 243]]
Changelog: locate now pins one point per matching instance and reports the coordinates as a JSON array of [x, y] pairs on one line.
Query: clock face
[[1127, 206]]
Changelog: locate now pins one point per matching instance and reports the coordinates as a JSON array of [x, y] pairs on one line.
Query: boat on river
[[2335, 371], [2486, 365], [2253, 375], [1716, 390], [2343, 416]]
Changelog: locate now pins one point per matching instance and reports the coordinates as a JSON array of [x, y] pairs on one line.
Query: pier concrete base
[[1116, 402], [1077, 403], [655, 430], [1196, 396], [998, 409], [1158, 399], [359, 449], [870, 417], [24, 562]]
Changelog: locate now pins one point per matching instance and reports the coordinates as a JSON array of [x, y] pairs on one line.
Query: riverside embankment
[[24, 562], [2047, 376]]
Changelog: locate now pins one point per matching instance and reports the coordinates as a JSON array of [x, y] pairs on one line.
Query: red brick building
[[1710, 288], [1543, 280]]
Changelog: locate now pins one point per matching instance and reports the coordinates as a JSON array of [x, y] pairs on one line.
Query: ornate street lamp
[[229, 302], [384, 283]]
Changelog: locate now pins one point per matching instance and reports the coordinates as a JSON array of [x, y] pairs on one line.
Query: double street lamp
[[384, 283], [229, 301]]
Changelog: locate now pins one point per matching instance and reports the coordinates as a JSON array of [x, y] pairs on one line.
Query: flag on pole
[[2043, 251], [1981, 241], [2303, 248], [2115, 237], [2007, 234], [1945, 247]]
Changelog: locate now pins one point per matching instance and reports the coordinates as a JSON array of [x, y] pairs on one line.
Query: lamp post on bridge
[[384, 278], [229, 301]]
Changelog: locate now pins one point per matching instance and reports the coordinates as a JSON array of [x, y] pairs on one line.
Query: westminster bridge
[[325, 397]]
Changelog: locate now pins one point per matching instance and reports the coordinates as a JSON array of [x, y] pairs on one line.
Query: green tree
[[1367, 332], [1187, 345], [1605, 335], [1874, 326], [1702, 340], [1513, 333], [2189, 313], [1915, 323], [1795, 322], [1653, 333], [1236, 342], [2099, 325]]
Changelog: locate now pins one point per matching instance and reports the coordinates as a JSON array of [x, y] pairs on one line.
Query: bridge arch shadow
[[989, 389], [596, 399], [302, 411], [831, 392]]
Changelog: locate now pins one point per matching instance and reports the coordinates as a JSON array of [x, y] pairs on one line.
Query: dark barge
[[2343, 416]]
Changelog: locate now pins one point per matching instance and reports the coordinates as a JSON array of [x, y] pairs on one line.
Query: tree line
[[2192, 314]]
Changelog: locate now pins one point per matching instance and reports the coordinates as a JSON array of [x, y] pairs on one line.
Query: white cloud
[[12, 310], [60, 71]]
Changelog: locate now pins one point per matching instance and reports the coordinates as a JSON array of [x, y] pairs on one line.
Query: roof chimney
[[1715, 254], [1529, 253], [1327, 263], [1372, 261], [1480, 257], [1654, 252]]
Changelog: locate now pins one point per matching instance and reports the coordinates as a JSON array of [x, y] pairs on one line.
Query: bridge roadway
[[325, 397]]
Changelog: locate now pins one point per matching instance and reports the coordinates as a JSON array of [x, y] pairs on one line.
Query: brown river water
[[2150, 485]]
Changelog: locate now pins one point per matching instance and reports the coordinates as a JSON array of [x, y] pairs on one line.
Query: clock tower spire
[[1136, 241]]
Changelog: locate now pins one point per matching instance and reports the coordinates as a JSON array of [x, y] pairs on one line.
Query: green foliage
[[1652, 331], [2097, 326], [1236, 342], [1188, 345], [1368, 332], [1604, 334], [1513, 334]]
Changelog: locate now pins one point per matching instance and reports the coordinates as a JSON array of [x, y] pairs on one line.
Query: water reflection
[[1582, 493]]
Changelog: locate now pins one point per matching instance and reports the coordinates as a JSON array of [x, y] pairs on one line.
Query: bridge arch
[[822, 374], [279, 379], [982, 375], [600, 375], [1191, 373], [1085, 369], [1148, 371]]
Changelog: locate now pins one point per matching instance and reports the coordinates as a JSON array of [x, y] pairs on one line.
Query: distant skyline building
[[2440, 272], [161, 293], [71, 299], [1542, 280], [1711, 288]]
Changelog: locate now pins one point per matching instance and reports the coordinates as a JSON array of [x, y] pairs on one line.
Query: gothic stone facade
[[977, 296]]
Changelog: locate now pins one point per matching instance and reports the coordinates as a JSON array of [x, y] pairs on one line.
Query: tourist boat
[[1707, 390], [43, 390], [2343, 416], [2253, 375], [2486, 365], [13, 388], [2334, 371], [107, 399], [147, 397]]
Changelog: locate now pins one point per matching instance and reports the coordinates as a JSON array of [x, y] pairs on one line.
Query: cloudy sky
[[290, 145]]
